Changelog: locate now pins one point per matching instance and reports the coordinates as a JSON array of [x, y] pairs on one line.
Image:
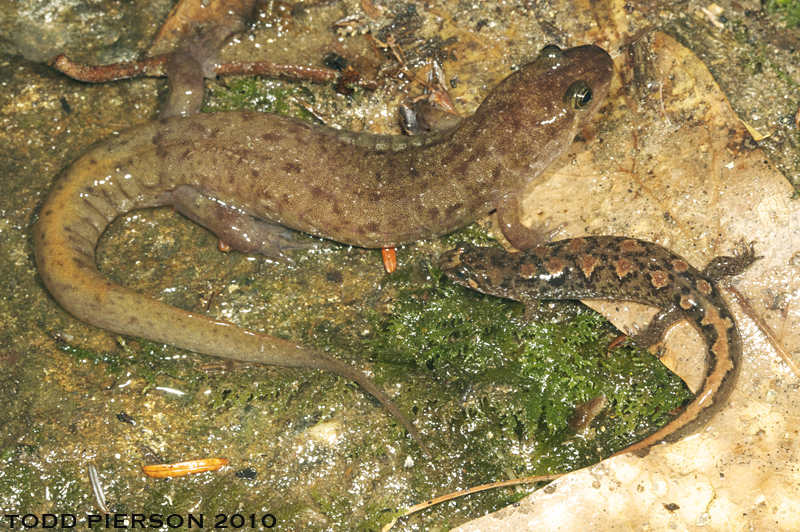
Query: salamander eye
[[551, 55], [578, 95], [550, 49], [463, 273]]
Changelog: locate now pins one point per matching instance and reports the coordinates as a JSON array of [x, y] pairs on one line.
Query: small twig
[[156, 67], [711, 16], [150, 67], [268, 68], [310, 108], [181, 469], [761, 324], [469, 491]]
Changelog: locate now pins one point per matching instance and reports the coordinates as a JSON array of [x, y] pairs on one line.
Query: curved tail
[[723, 364], [86, 198]]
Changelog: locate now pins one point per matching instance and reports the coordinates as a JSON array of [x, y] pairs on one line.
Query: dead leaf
[[370, 9], [189, 15], [754, 132]]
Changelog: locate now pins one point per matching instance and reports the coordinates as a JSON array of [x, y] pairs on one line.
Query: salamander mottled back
[[249, 176], [631, 270]]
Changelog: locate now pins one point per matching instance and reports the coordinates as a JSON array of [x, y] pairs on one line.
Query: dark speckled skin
[[624, 269], [248, 175]]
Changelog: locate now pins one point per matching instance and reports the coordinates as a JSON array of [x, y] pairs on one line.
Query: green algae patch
[[259, 94]]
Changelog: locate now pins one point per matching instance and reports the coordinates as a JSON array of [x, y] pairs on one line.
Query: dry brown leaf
[[669, 161], [754, 132], [370, 9], [188, 15]]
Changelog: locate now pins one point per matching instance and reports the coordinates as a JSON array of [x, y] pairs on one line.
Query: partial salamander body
[[248, 176], [624, 269]]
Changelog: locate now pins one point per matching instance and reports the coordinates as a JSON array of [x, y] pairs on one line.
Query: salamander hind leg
[[744, 255], [235, 229], [656, 329], [422, 118]]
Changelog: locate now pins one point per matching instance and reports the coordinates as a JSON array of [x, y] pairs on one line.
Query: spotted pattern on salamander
[[624, 269]]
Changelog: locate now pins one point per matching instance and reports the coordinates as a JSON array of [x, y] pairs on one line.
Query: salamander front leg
[[519, 235], [744, 255], [187, 68], [532, 311], [235, 229]]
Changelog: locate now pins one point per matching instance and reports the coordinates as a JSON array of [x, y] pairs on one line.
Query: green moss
[[755, 58], [527, 376], [151, 361], [474, 234], [334, 506], [258, 94], [789, 10]]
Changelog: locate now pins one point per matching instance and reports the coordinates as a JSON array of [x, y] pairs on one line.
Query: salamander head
[[478, 268], [533, 115], [560, 88]]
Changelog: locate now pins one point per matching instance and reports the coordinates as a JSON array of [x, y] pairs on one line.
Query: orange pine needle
[[180, 469]]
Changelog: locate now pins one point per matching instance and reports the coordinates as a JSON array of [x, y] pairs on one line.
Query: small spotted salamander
[[624, 269]]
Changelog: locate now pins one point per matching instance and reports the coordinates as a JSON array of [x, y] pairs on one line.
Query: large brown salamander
[[247, 176], [624, 269]]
